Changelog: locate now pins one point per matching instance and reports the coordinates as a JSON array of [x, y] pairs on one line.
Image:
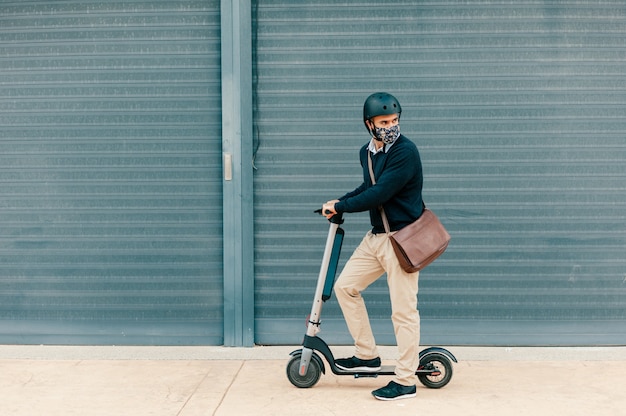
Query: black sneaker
[[356, 364], [394, 391]]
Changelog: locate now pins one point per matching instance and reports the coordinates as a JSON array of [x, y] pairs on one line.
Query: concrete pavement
[[193, 381]]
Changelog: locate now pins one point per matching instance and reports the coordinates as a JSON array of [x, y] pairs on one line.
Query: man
[[398, 175]]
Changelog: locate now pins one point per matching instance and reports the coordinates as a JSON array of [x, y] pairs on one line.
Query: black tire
[[441, 365], [311, 377]]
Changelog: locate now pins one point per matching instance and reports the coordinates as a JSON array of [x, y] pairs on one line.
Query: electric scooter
[[305, 366]]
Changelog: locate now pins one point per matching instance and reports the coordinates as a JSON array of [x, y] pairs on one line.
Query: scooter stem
[[313, 326]]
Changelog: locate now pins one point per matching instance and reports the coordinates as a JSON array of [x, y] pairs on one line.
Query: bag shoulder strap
[[380, 208]]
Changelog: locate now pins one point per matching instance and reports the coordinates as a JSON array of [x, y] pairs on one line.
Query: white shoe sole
[[359, 369], [404, 396]]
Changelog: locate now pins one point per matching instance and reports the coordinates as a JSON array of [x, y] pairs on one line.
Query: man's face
[[384, 121]]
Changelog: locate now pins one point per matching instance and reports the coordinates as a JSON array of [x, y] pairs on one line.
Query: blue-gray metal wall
[[519, 111], [110, 178], [112, 202]]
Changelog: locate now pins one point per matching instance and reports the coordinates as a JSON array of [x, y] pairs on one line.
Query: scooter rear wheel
[[311, 377], [441, 368]]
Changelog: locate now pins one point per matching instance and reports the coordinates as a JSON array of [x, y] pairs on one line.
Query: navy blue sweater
[[398, 187]]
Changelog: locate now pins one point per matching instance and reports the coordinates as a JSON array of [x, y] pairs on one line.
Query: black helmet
[[379, 104]]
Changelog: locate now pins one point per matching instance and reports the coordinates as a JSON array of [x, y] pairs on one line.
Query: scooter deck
[[385, 370]]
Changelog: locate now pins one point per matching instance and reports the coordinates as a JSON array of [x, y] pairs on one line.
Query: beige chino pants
[[372, 258]]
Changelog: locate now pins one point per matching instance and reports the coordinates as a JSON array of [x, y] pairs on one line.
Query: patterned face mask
[[388, 135]]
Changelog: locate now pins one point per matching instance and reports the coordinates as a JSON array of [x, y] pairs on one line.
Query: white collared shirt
[[372, 147]]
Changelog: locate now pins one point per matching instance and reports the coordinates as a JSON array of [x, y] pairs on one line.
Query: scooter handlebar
[[335, 219]]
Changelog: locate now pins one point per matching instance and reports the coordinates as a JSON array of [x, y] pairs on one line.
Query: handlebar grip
[[336, 219]]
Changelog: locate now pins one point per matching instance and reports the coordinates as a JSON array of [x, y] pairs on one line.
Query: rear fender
[[437, 350]]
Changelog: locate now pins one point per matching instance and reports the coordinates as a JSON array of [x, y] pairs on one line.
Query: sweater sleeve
[[361, 187], [399, 168], [357, 191]]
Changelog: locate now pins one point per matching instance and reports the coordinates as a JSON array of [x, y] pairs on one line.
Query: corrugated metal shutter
[[110, 179], [519, 111]]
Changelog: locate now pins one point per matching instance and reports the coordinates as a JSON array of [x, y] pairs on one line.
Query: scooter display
[[305, 366]]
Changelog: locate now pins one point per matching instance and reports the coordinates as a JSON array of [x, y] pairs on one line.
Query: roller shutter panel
[[110, 172], [518, 110]]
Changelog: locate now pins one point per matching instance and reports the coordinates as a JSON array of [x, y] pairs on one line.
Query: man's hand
[[328, 209]]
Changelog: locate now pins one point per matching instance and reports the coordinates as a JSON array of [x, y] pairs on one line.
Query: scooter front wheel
[[311, 377], [435, 371]]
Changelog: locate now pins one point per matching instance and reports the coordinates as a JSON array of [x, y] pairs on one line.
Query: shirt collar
[[372, 147]]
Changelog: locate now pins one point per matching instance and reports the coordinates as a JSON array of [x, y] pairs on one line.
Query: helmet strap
[[372, 130]]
